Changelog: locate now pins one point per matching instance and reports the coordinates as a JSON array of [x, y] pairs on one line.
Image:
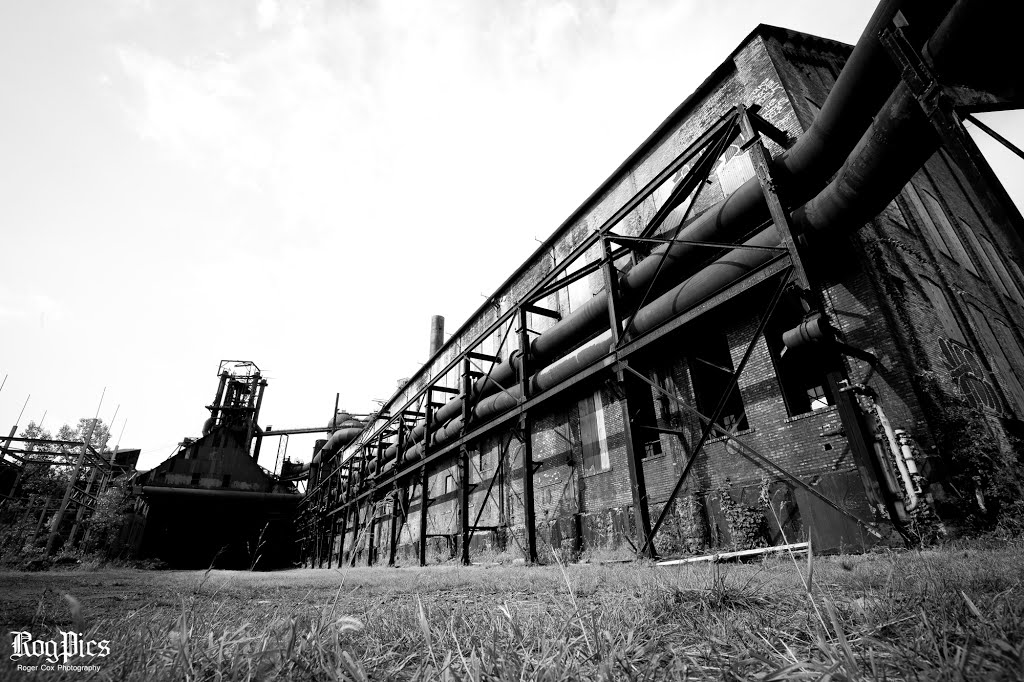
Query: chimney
[[436, 333]]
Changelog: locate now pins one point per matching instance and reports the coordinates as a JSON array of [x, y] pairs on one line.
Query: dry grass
[[935, 615]]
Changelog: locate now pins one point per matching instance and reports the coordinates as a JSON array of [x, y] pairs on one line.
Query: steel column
[[760, 159], [634, 454], [525, 427], [464, 484], [425, 476], [399, 494]]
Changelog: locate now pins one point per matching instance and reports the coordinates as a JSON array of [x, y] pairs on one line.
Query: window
[[938, 214], [973, 239], [481, 462], [711, 376], [938, 228], [1012, 350], [940, 304], [818, 397], [642, 417], [592, 434], [225, 481], [1016, 269], [1008, 380], [734, 170], [801, 372], [449, 483], [1003, 281], [582, 290], [195, 478]]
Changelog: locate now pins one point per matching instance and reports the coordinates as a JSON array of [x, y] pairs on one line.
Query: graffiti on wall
[[968, 374]]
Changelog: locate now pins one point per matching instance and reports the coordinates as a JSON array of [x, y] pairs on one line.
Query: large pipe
[[255, 496], [884, 159], [863, 85]]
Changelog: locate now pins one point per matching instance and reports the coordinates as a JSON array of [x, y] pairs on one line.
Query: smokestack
[[436, 333]]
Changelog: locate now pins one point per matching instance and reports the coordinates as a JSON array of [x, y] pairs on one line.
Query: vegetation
[[956, 613], [22, 536]]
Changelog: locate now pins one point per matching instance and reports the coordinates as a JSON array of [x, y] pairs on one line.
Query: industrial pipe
[[887, 155], [156, 490], [869, 76], [906, 442], [894, 449]]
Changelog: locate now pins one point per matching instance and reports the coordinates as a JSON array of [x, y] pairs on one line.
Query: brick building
[[926, 301]]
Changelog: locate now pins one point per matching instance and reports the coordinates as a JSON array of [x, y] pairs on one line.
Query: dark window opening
[[225, 481], [642, 417], [195, 478], [802, 372], [711, 373]]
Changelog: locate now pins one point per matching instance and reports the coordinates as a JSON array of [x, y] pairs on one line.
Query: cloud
[[330, 108], [18, 307], [268, 12]]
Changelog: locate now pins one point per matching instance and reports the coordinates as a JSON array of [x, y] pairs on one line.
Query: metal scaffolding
[[345, 497]]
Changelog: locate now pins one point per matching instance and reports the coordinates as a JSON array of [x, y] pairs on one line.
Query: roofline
[[646, 146]]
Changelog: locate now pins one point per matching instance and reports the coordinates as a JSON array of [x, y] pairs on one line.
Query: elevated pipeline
[[858, 192]]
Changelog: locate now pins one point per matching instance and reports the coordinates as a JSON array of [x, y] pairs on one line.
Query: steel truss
[[786, 269], [81, 500]]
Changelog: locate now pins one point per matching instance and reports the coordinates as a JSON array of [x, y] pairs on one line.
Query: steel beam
[[750, 453], [761, 160], [464, 485], [754, 278], [392, 549], [634, 458], [722, 402], [425, 476], [525, 427], [695, 148]]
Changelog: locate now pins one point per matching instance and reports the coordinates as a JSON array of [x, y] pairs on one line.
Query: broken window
[[801, 372], [711, 374], [642, 417], [592, 434]]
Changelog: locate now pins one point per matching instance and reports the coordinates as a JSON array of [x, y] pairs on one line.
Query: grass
[[951, 614]]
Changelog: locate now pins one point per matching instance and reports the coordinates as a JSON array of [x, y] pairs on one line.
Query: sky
[[303, 184]]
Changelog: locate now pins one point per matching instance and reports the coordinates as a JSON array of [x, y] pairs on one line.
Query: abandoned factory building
[[703, 358]]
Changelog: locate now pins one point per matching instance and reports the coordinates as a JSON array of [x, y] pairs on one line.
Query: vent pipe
[[436, 334]]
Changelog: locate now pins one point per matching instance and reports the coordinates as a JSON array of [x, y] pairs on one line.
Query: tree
[[100, 435], [41, 479], [52, 479]]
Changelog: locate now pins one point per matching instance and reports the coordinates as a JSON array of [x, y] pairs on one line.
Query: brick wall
[[871, 289]]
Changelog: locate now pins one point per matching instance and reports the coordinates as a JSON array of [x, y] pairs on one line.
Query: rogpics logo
[[71, 645]]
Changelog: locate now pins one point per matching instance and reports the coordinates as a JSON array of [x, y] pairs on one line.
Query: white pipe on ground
[[894, 448]]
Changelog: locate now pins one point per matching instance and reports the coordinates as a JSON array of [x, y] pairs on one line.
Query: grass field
[[935, 615]]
